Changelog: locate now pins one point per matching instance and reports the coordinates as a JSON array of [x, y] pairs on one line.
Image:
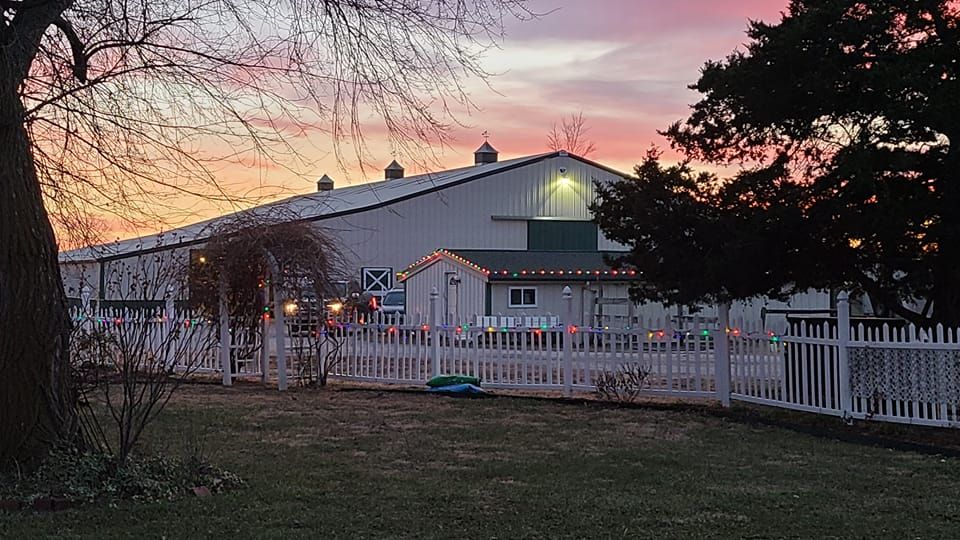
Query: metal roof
[[517, 265], [486, 148], [313, 206]]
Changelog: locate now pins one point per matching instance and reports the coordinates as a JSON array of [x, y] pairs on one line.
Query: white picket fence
[[892, 374], [727, 360], [530, 357], [797, 372], [179, 338]]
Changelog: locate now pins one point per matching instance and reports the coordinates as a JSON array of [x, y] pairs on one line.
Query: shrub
[[86, 477], [624, 384]]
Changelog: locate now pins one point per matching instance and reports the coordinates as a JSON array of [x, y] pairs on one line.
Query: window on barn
[[523, 297], [547, 235]]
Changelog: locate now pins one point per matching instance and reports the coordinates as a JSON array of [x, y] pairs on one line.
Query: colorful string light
[[523, 272]]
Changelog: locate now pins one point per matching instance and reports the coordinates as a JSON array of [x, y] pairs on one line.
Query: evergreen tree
[[841, 124]]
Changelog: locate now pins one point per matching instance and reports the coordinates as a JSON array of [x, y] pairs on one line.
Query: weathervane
[[486, 135]]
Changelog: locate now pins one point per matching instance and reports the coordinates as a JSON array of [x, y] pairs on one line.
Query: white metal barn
[[525, 214], [384, 226]]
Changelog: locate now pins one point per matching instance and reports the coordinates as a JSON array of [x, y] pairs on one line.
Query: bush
[[623, 385], [84, 477]]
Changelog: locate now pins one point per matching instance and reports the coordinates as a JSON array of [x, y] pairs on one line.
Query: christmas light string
[[122, 320], [658, 333], [653, 334], [402, 275]]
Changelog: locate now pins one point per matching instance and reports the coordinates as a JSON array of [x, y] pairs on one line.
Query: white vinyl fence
[[886, 373], [179, 338], [894, 374], [897, 375], [538, 357]]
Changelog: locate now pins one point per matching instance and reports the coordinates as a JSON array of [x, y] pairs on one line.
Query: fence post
[[434, 332], [843, 359], [85, 293], [224, 334], [264, 349], [721, 348], [169, 316], [280, 326], [567, 343]]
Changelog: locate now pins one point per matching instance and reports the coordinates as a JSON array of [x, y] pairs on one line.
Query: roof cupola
[[393, 171], [485, 154]]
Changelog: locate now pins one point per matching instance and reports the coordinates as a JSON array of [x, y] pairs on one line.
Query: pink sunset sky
[[625, 64]]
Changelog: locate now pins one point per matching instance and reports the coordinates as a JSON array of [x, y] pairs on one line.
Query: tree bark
[[37, 401]]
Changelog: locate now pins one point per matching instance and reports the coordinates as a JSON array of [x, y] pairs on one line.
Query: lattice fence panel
[[926, 375]]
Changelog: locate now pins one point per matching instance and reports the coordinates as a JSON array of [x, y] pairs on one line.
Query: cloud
[[630, 20], [625, 64]]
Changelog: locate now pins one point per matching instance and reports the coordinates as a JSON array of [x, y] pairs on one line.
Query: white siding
[[549, 299], [461, 217], [585, 294], [459, 303], [76, 276], [750, 310], [605, 244], [153, 274]]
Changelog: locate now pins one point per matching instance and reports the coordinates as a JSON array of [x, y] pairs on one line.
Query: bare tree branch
[[571, 136], [76, 47], [130, 92]]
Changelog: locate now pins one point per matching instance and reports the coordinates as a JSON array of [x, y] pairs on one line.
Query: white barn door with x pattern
[[376, 280]]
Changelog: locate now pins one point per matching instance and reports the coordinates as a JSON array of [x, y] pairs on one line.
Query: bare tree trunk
[[37, 405]]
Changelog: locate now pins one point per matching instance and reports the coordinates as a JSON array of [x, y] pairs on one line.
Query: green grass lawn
[[371, 464]]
